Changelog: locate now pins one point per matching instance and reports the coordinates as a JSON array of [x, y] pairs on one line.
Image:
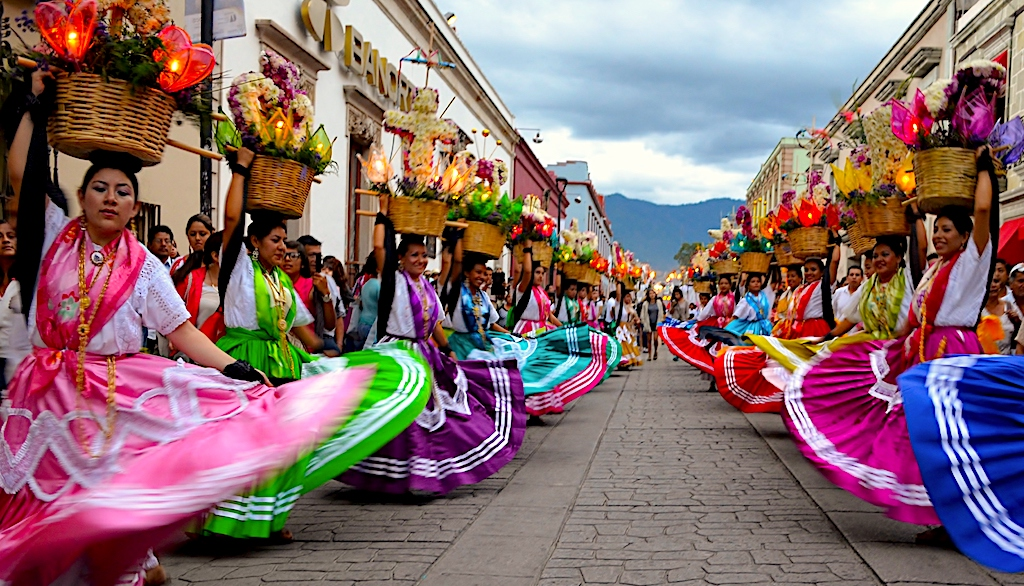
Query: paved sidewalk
[[649, 479]]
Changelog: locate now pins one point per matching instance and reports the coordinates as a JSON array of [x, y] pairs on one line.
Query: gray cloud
[[717, 82]]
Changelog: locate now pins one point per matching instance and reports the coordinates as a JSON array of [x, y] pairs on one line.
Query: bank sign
[[356, 53]]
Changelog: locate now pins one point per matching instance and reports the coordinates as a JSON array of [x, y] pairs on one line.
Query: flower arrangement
[[535, 224], [958, 112], [1007, 140], [747, 239], [129, 40], [480, 202], [420, 130], [599, 263], [274, 117], [813, 208], [577, 247]]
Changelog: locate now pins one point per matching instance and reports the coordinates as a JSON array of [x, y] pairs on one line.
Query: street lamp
[[536, 138]]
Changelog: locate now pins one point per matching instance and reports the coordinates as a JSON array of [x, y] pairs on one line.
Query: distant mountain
[[654, 231]]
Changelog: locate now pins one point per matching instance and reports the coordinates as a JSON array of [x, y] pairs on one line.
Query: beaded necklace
[[279, 299], [425, 301]]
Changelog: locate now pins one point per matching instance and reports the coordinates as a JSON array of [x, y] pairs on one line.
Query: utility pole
[[205, 122]]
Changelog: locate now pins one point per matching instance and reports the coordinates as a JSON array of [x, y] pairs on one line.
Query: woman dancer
[[475, 420], [14, 342], [738, 369], [137, 431], [261, 309], [585, 356], [845, 409], [652, 313], [568, 309], [625, 332], [200, 293], [780, 313], [687, 342]]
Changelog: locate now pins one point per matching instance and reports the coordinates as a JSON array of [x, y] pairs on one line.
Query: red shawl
[[191, 290]]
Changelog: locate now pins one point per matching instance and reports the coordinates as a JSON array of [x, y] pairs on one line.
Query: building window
[[147, 217]]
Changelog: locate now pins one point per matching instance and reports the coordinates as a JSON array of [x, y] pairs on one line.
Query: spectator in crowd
[[854, 278], [315, 293], [161, 244], [198, 228]]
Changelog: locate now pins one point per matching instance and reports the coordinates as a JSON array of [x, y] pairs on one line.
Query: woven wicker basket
[[278, 185], [629, 284], [487, 239], [593, 277], [702, 287], [755, 262], [726, 267], [860, 243], [417, 216], [784, 256], [809, 242], [93, 114], [945, 176], [542, 252], [575, 271], [887, 219]]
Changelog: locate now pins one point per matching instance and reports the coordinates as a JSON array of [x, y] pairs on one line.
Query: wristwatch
[[329, 298]]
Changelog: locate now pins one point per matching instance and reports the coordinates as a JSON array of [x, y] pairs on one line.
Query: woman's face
[[995, 288], [292, 262], [677, 296], [885, 261], [108, 201], [8, 241], [197, 235], [811, 272], [271, 247], [754, 284], [477, 276], [946, 239], [582, 293], [651, 295], [793, 278], [724, 285], [1001, 274], [538, 276], [595, 294], [415, 260]]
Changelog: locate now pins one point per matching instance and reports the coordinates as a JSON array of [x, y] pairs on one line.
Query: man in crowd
[[161, 244], [610, 313], [854, 278]]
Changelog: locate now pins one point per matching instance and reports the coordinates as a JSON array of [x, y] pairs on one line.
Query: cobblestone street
[[649, 479]]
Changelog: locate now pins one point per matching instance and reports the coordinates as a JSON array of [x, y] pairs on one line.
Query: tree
[[686, 250]]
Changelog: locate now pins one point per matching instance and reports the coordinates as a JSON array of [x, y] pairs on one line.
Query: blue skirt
[[965, 415]]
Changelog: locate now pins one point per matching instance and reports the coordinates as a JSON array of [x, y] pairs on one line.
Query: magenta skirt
[[845, 413]]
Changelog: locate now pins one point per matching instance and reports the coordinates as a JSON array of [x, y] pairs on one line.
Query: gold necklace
[[425, 302], [278, 302], [84, 328]]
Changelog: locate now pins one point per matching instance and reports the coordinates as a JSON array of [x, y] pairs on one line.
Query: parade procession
[[394, 347]]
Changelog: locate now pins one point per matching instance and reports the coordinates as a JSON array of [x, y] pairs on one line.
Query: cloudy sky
[[675, 101]]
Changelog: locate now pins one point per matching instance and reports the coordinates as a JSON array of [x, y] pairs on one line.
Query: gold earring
[[255, 254]]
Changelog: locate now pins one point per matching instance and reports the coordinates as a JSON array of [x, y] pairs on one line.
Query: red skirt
[[685, 344], [739, 380]]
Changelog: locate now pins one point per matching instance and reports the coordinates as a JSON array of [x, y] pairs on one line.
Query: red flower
[[808, 213], [832, 217]]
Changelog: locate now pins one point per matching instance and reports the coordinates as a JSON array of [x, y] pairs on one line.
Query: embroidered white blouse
[[967, 288], [851, 313], [154, 303], [400, 320], [746, 312], [240, 298], [459, 322]]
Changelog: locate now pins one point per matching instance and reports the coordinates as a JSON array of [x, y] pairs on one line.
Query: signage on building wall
[[356, 53], [228, 19]]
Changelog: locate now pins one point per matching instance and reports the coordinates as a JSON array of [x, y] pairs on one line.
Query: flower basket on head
[[575, 271], [945, 176], [593, 277], [726, 267], [121, 70], [702, 287], [484, 238], [755, 262], [418, 216], [809, 242], [784, 256], [94, 114], [860, 243], [542, 252], [629, 284], [886, 218], [278, 185]]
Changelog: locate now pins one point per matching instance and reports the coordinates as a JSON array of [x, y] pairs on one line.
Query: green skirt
[[264, 353], [398, 394]]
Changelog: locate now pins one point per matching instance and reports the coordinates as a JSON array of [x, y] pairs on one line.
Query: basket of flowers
[[703, 286], [537, 226], [754, 250], [808, 221], [720, 257], [121, 71], [576, 253], [488, 215], [274, 118], [598, 268], [944, 124], [860, 243], [878, 206]]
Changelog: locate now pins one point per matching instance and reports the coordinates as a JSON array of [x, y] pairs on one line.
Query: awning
[[1011, 241]]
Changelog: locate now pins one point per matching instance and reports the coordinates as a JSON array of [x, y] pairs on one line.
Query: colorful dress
[[739, 374], [260, 308], [559, 365], [108, 452], [473, 424], [687, 342], [631, 351], [845, 408]]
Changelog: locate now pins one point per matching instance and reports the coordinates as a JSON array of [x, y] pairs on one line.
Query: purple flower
[[1009, 137]]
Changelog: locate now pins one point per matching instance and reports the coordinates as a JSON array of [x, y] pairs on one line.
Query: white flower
[[935, 97], [985, 68]]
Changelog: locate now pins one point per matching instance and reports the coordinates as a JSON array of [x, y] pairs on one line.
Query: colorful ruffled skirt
[[684, 341], [88, 491], [741, 381], [845, 412], [395, 396], [631, 351], [473, 424], [967, 430], [557, 366]]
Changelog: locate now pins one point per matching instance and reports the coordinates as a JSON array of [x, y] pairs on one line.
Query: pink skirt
[[183, 439], [845, 413]]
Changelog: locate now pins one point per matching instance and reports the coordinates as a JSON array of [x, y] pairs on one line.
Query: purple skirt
[[474, 424], [845, 413]]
